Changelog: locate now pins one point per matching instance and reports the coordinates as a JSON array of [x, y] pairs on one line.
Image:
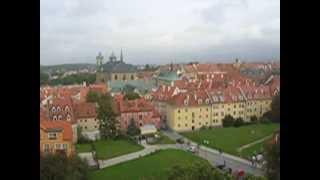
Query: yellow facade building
[[56, 136]]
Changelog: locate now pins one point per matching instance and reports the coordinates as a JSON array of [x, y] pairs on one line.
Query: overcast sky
[[159, 31]]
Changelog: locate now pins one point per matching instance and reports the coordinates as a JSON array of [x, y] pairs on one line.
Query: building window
[[85, 127], [192, 121], [186, 125], [58, 146], [207, 116], [178, 125], [96, 126], [200, 109], [200, 116], [207, 109], [140, 117], [206, 123], [192, 114], [234, 113], [124, 77], [140, 124], [65, 146], [186, 117], [85, 120], [115, 77], [222, 114], [186, 110], [178, 110], [46, 147], [199, 123], [132, 77], [52, 136]]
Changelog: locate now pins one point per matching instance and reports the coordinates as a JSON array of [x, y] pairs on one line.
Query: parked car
[[192, 149]]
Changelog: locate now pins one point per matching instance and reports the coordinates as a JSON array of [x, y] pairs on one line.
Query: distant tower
[[99, 59], [112, 57], [121, 56], [171, 66]]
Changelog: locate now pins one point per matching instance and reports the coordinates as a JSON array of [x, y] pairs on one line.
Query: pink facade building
[[141, 111]]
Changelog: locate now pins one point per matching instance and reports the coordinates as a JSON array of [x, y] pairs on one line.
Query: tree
[[238, 122], [107, 116], [253, 119], [133, 130], [92, 97], [60, 167], [272, 158], [275, 109], [131, 96], [228, 121], [147, 67], [196, 171], [44, 78]]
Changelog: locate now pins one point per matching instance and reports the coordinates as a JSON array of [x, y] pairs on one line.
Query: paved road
[[215, 158]]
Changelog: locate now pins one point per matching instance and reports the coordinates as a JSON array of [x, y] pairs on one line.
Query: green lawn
[[231, 138], [248, 152], [164, 140], [83, 148], [107, 149], [155, 166]]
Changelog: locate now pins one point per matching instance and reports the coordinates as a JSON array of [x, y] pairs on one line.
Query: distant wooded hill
[[66, 67]]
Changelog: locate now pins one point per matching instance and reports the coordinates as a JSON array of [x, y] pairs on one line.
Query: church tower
[[121, 56]]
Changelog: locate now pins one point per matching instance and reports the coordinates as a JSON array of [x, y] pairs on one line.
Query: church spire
[[121, 56]]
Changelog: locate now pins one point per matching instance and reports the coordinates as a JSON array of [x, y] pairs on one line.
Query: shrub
[[253, 119], [238, 122], [264, 120], [228, 121], [203, 127]]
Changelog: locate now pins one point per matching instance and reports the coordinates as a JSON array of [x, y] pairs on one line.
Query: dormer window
[[199, 101], [58, 109], [54, 118], [53, 109], [67, 108], [207, 101], [68, 117], [60, 117]]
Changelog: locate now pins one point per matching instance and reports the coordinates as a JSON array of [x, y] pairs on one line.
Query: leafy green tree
[[131, 96], [60, 167], [133, 130], [253, 119], [196, 171], [92, 97], [228, 121], [272, 158], [106, 114], [275, 109], [44, 78]]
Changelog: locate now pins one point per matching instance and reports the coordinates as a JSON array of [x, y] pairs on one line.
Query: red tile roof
[[67, 129], [85, 110]]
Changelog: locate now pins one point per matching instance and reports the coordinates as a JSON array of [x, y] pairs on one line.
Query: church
[[114, 69]]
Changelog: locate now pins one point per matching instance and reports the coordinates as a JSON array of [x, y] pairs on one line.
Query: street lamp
[[207, 143]]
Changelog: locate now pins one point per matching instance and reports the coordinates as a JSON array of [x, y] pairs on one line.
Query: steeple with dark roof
[[121, 56]]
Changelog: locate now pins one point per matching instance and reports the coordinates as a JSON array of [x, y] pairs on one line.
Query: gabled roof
[[63, 126], [85, 110]]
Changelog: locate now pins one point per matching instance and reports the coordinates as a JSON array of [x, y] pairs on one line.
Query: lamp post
[[207, 143]]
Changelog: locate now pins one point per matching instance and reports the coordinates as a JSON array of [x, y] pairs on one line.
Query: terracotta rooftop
[[53, 125]]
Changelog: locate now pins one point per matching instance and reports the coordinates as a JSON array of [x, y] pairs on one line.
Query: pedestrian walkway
[[147, 150], [253, 143], [88, 156]]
